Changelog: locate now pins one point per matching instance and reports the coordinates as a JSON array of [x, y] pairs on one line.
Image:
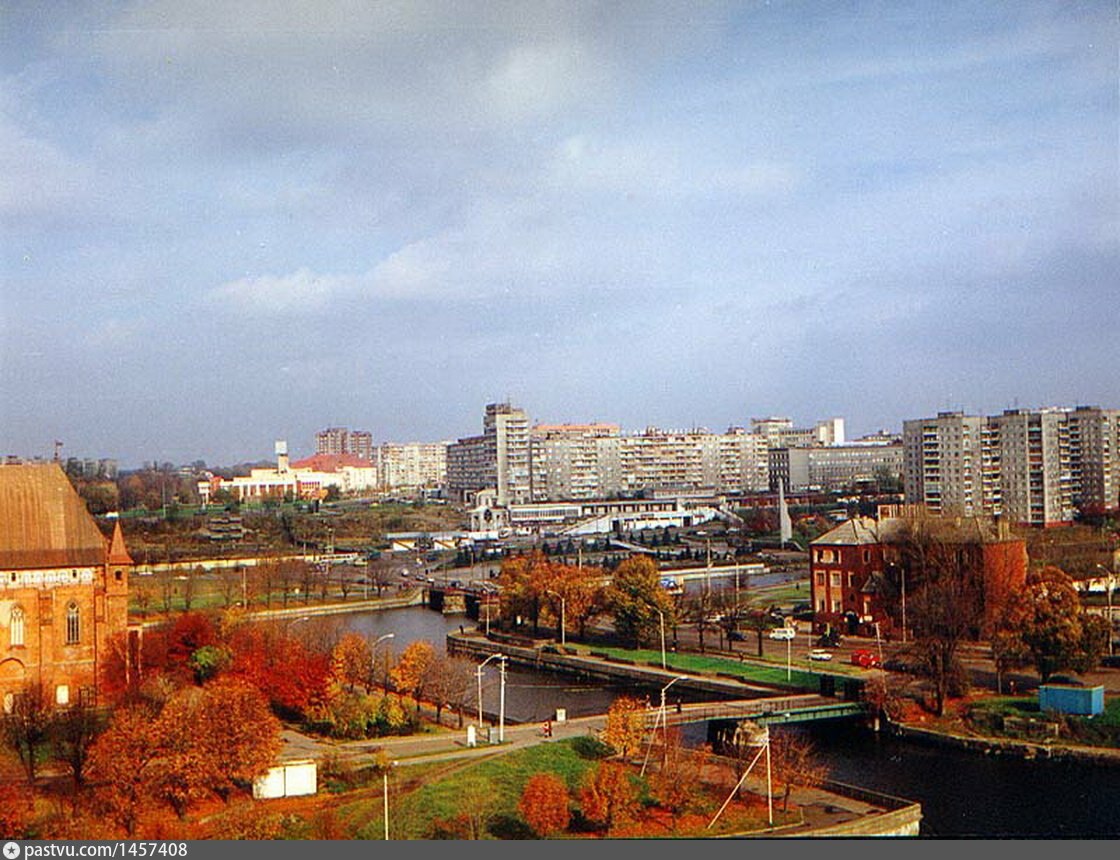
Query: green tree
[[635, 598]]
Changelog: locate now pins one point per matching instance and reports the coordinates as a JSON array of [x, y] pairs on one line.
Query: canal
[[962, 794]]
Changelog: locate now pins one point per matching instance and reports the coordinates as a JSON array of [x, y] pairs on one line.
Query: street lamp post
[[661, 616], [502, 702], [563, 637], [385, 795], [662, 718], [478, 673]]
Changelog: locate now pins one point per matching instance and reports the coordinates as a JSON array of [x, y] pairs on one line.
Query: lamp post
[[661, 616], [661, 718], [563, 637], [478, 673], [385, 795]]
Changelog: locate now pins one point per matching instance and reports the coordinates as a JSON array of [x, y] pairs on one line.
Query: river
[[962, 794]]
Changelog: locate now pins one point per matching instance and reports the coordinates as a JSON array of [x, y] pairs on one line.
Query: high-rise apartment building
[[410, 465], [569, 462], [499, 458], [339, 440], [942, 462], [574, 461], [1030, 466]]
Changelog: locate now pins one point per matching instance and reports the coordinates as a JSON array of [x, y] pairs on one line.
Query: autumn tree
[[412, 671], [237, 735], [947, 605], [26, 730], [794, 762], [352, 661], [608, 796], [119, 764], [73, 730], [675, 784], [544, 804], [524, 581], [476, 805], [635, 597], [1047, 629], [450, 683], [626, 725]]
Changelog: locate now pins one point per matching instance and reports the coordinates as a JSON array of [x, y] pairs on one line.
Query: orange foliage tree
[[352, 661], [626, 725], [544, 804], [608, 796], [119, 763], [413, 669], [238, 735]]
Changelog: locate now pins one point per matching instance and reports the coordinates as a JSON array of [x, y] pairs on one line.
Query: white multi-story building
[[943, 462], [411, 465], [568, 462], [1030, 466], [499, 458], [837, 467]]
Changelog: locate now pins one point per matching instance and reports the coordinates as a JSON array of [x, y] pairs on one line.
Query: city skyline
[[227, 224]]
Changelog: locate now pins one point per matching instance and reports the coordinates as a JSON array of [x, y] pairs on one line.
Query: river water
[[962, 794]]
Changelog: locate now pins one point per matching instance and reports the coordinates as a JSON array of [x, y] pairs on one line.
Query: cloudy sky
[[228, 223]]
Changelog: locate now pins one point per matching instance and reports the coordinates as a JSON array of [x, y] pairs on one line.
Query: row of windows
[[73, 625]]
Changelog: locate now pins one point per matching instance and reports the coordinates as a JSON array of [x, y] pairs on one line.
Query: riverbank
[[987, 745], [401, 600]]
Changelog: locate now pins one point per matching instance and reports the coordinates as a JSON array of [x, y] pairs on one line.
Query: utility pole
[[502, 702]]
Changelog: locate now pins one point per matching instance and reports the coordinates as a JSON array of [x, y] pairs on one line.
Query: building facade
[[411, 465], [340, 440], [1031, 466], [498, 459], [862, 571], [835, 468], [63, 589]]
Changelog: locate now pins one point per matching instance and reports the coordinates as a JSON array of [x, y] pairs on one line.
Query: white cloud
[[302, 291]]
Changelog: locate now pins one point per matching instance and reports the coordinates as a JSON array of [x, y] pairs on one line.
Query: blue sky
[[227, 223]]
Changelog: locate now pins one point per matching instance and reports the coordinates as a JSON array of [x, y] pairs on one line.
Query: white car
[[819, 654], [783, 633]]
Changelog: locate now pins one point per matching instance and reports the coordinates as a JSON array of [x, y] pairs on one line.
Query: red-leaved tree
[[544, 804]]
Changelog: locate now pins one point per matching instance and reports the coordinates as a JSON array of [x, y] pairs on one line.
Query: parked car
[[735, 636], [829, 640], [897, 664], [782, 633], [865, 659], [819, 654]]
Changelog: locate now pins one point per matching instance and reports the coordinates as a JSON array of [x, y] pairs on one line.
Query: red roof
[[331, 462]]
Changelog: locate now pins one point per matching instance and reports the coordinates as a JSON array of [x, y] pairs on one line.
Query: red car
[[865, 659]]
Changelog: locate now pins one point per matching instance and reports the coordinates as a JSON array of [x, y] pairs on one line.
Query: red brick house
[[861, 571], [63, 587]]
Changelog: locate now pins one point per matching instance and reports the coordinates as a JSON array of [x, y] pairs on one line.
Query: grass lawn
[[417, 806], [771, 673]]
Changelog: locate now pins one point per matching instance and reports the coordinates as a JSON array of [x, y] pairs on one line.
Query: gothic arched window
[[73, 624], [15, 626]]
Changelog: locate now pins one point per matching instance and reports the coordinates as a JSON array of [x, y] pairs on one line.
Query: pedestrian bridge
[[767, 711]]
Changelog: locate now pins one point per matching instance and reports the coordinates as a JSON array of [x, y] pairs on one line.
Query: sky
[[223, 224]]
